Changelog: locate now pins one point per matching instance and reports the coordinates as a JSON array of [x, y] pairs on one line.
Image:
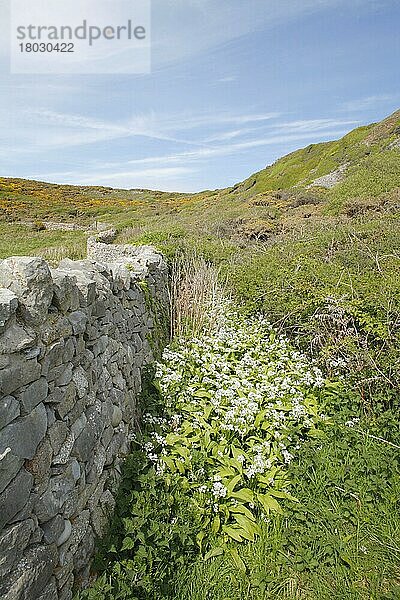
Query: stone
[[81, 382], [33, 395], [15, 496], [16, 338], [50, 592], [39, 466], [30, 279], [65, 533], [68, 401], [78, 321], [17, 373], [54, 356], [9, 410], [55, 328], [9, 467], [31, 575], [102, 513], [8, 307], [24, 435], [116, 416], [58, 433], [62, 374], [53, 529], [46, 507], [65, 291], [61, 485], [13, 542], [69, 351]]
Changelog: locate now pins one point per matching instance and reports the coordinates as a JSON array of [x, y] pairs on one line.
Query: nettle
[[238, 402]]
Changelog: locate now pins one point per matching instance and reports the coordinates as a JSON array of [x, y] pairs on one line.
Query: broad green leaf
[[246, 524], [237, 560], [128, 543], [213, 553], [170, 463], [241, 508], [269, 503], [201, 394], [244, 494], [233, 533], [233, 483], [284, 495], [216, 524]]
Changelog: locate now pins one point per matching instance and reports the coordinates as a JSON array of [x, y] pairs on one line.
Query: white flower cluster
[[239, 386]]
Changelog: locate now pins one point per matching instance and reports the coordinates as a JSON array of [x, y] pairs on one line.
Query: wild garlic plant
[[239, 402]]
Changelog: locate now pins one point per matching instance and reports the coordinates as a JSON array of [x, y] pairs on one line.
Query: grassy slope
[[325, 266]]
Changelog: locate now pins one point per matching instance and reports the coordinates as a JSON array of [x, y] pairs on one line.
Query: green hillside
[[312, 244]]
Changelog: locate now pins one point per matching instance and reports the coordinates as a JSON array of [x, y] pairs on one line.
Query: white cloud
[[369, 102]]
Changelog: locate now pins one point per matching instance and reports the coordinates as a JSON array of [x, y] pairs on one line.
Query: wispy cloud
[[370, 102]]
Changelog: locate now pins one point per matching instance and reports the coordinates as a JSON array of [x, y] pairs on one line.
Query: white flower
[[219, 490]]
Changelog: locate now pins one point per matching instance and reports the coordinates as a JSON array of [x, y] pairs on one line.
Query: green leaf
[[201, 394], [216, 524], [249, 526], [237, 560], [213, 553], [127, 544], [269, 503], [233, 533], [283, 495], [233, 483], [241, 508], [244, 494], [170, 463]]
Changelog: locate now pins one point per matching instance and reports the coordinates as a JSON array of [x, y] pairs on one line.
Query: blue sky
[[235, 84]]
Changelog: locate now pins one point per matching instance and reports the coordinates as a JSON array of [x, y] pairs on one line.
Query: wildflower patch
[[237, 403]]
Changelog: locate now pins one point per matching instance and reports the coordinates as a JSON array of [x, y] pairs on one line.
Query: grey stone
[[13, 543], [116, 416], [16, 338], [17, 373], [15, 496], [8, 306], [53, 529], [68, 401], [9, 467], [47, 506], [55, 328], [58, 434], [30, 279], [34, 395], [39, 466], [24, 435], [50, 592], [9, 410], [65, 532], [54, 356], [69, 351], [78, 321], [62, 374], [81, 382], [65, 291], [31, 575]]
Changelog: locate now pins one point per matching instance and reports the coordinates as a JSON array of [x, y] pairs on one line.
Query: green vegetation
[[320, 260]]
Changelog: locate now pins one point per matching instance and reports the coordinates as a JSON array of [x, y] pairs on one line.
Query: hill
[[313, 243]]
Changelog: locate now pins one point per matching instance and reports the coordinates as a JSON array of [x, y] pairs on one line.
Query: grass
[[342, 543], [324, 266], [52, 245]]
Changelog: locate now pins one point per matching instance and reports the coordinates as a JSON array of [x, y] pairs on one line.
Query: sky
[[234, 85]]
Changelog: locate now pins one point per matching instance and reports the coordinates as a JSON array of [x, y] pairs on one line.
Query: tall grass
[[197, 294]]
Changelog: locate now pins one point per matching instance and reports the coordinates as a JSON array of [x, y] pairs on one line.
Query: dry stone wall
[[73, 344]]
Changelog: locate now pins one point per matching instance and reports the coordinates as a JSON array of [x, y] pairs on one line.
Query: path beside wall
[[73, 344]]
